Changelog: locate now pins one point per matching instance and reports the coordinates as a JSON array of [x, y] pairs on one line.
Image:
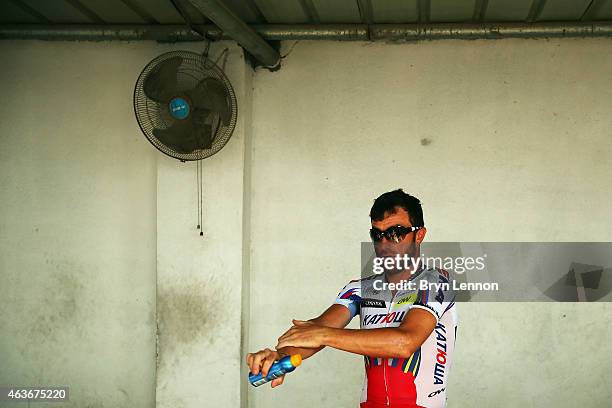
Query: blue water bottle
[[285, 365]]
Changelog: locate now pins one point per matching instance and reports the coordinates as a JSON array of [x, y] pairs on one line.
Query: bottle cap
[[296, 360]]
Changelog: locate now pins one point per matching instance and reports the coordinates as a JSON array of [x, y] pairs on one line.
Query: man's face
[[408, 246]]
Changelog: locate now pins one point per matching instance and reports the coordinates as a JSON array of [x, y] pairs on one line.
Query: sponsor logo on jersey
[[436, 392], [393, 317], [410, 299], [373, 303], [441, 359]]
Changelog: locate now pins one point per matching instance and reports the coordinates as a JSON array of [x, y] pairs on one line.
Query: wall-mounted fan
[[185, 105]]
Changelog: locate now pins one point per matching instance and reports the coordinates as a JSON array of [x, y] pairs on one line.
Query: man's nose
[[386, 246]]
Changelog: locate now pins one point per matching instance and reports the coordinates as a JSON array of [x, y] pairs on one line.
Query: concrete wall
[[77, 224], [501, 140], [96, 225]]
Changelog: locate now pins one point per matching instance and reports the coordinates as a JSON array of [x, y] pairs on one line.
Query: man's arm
[[388, 342], [336, 316]]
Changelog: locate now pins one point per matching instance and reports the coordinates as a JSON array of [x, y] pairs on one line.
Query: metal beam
[[176, 33], [189, 13], [238, 30], [403, 32], [180, 8], [329, 32], [337, 32], [91, 32], [259, 16]]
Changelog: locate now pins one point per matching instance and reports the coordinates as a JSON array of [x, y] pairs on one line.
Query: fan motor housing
[[179, 107]]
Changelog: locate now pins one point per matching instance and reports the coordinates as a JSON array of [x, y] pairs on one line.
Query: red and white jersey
[[421, 379]]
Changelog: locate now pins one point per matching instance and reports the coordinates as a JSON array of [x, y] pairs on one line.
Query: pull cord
[[200, 200]]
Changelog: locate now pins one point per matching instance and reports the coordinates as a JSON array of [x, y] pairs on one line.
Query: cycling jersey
[[421, 379]]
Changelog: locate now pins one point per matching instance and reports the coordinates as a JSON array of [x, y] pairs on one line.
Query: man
[[407, 335]]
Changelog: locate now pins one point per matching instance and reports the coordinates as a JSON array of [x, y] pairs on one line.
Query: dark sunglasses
[[395, 233]]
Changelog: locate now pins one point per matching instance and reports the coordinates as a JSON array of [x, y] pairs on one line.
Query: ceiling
[[305, 11], [258, 25]]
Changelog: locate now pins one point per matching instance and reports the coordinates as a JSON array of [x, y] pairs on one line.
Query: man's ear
[[420, 235]]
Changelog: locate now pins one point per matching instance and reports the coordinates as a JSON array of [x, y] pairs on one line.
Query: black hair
[[388, 202]]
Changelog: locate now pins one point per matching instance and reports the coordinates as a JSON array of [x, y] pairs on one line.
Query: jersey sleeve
[[437, 300], [350, 296]]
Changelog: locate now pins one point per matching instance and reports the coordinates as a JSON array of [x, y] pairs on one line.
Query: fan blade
[[203, 131], [162, 81], [205, 137], [211, 94], [186, 136], [174, 136]]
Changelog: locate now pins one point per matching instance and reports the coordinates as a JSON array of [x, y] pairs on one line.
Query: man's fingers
[[260, 360], [267, 363], [278, 381], [257, 360], [251, 360], [284, 343], [298, 322], [287, 334], [288, 337], [288, 331], [256, 363]]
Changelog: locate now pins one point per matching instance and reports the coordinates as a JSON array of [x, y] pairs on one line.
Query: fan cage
[[151, 114]]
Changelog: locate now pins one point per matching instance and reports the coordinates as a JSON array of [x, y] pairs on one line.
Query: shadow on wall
[[187, 314]]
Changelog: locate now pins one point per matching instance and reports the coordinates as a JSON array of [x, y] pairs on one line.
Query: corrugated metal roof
[[258, 25], [305, 11]]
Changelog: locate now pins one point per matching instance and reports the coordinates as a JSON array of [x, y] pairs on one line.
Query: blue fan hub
[[179, 108]]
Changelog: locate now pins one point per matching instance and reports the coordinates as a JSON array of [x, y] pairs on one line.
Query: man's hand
[[303, 334], [263, 360]]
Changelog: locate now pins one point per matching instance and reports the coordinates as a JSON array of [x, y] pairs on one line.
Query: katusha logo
[[393, 317], [440, 367]]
